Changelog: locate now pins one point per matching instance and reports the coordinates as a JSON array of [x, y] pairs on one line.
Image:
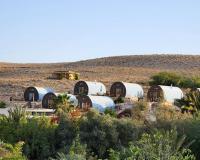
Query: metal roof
[[133, 90], [96, 88], [171, 93], [102, 102]]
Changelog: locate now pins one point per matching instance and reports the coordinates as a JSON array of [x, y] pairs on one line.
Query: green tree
[[161, 145], [98, 132]]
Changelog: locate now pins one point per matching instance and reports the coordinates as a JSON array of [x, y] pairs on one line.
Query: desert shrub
[[9, 151], [2, 104], [127, 131], [170, 78], [65, 134], [165, 78], [138, 112], [38, 134], [101, 132], [189, 103], [159, 145], [77, 151], [39, 137], [110, 112], [166, 112], [98, 132], [190, 128]]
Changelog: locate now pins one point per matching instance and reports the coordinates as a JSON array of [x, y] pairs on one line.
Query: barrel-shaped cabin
[[89, 88], [49, 100], [159, 93], [98, 102], [126, 90], [36, 93]]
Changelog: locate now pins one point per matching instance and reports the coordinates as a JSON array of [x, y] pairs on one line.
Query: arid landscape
[[14, 78]]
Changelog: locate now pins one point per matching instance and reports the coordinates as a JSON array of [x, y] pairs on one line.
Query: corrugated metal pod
[[98, 102], [36, 93], [126, 90], [89, 88], [159, 93], [49, 100]]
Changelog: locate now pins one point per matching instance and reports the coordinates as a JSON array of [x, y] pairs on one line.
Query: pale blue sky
[[70, 30]]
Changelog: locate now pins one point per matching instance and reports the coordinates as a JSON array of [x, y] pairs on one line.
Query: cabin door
[[81, 90], [50, 103], [155, 95], [31, 97], [118, 92]]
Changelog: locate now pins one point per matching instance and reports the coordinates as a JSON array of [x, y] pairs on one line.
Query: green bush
[[9, 151], [169, 78], [2, 104], [191, 128], [101, 132], [98, 133], [189, 103], [160, 145], [38, 134], [77, 151], [110, 112], [65, 133]]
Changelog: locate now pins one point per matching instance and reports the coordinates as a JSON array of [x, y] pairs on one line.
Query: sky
[[72, 30]]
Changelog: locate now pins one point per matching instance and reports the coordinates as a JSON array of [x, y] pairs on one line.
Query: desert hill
[[139, 68], [150, 61]]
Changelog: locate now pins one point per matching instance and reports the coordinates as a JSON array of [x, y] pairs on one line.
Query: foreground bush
[[9, 151], [77, 151], [97, 134], [38, 134], [163, 145], [102, 132]]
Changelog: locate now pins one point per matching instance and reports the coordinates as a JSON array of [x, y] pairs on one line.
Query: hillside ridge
[[152, 61]]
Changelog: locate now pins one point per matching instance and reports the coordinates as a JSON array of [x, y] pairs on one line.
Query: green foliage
[[101, 132], [2, 104], [119, 100], [63, 106], [163, 145], [77, 151], [11, 152], [39, 137], [16, 114], [65, 133], [37, 133], [168, 78], [98, 132], [189, 103], [110, 112], [127, 131], [191, 128]]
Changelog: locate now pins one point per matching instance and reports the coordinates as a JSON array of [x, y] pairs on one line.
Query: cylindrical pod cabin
[[49, 100], [159, 93], [89, 88], [36, 93], [98, 102], [126, 90]]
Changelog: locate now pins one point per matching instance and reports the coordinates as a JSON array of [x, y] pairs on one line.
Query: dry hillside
[[15, 77]]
